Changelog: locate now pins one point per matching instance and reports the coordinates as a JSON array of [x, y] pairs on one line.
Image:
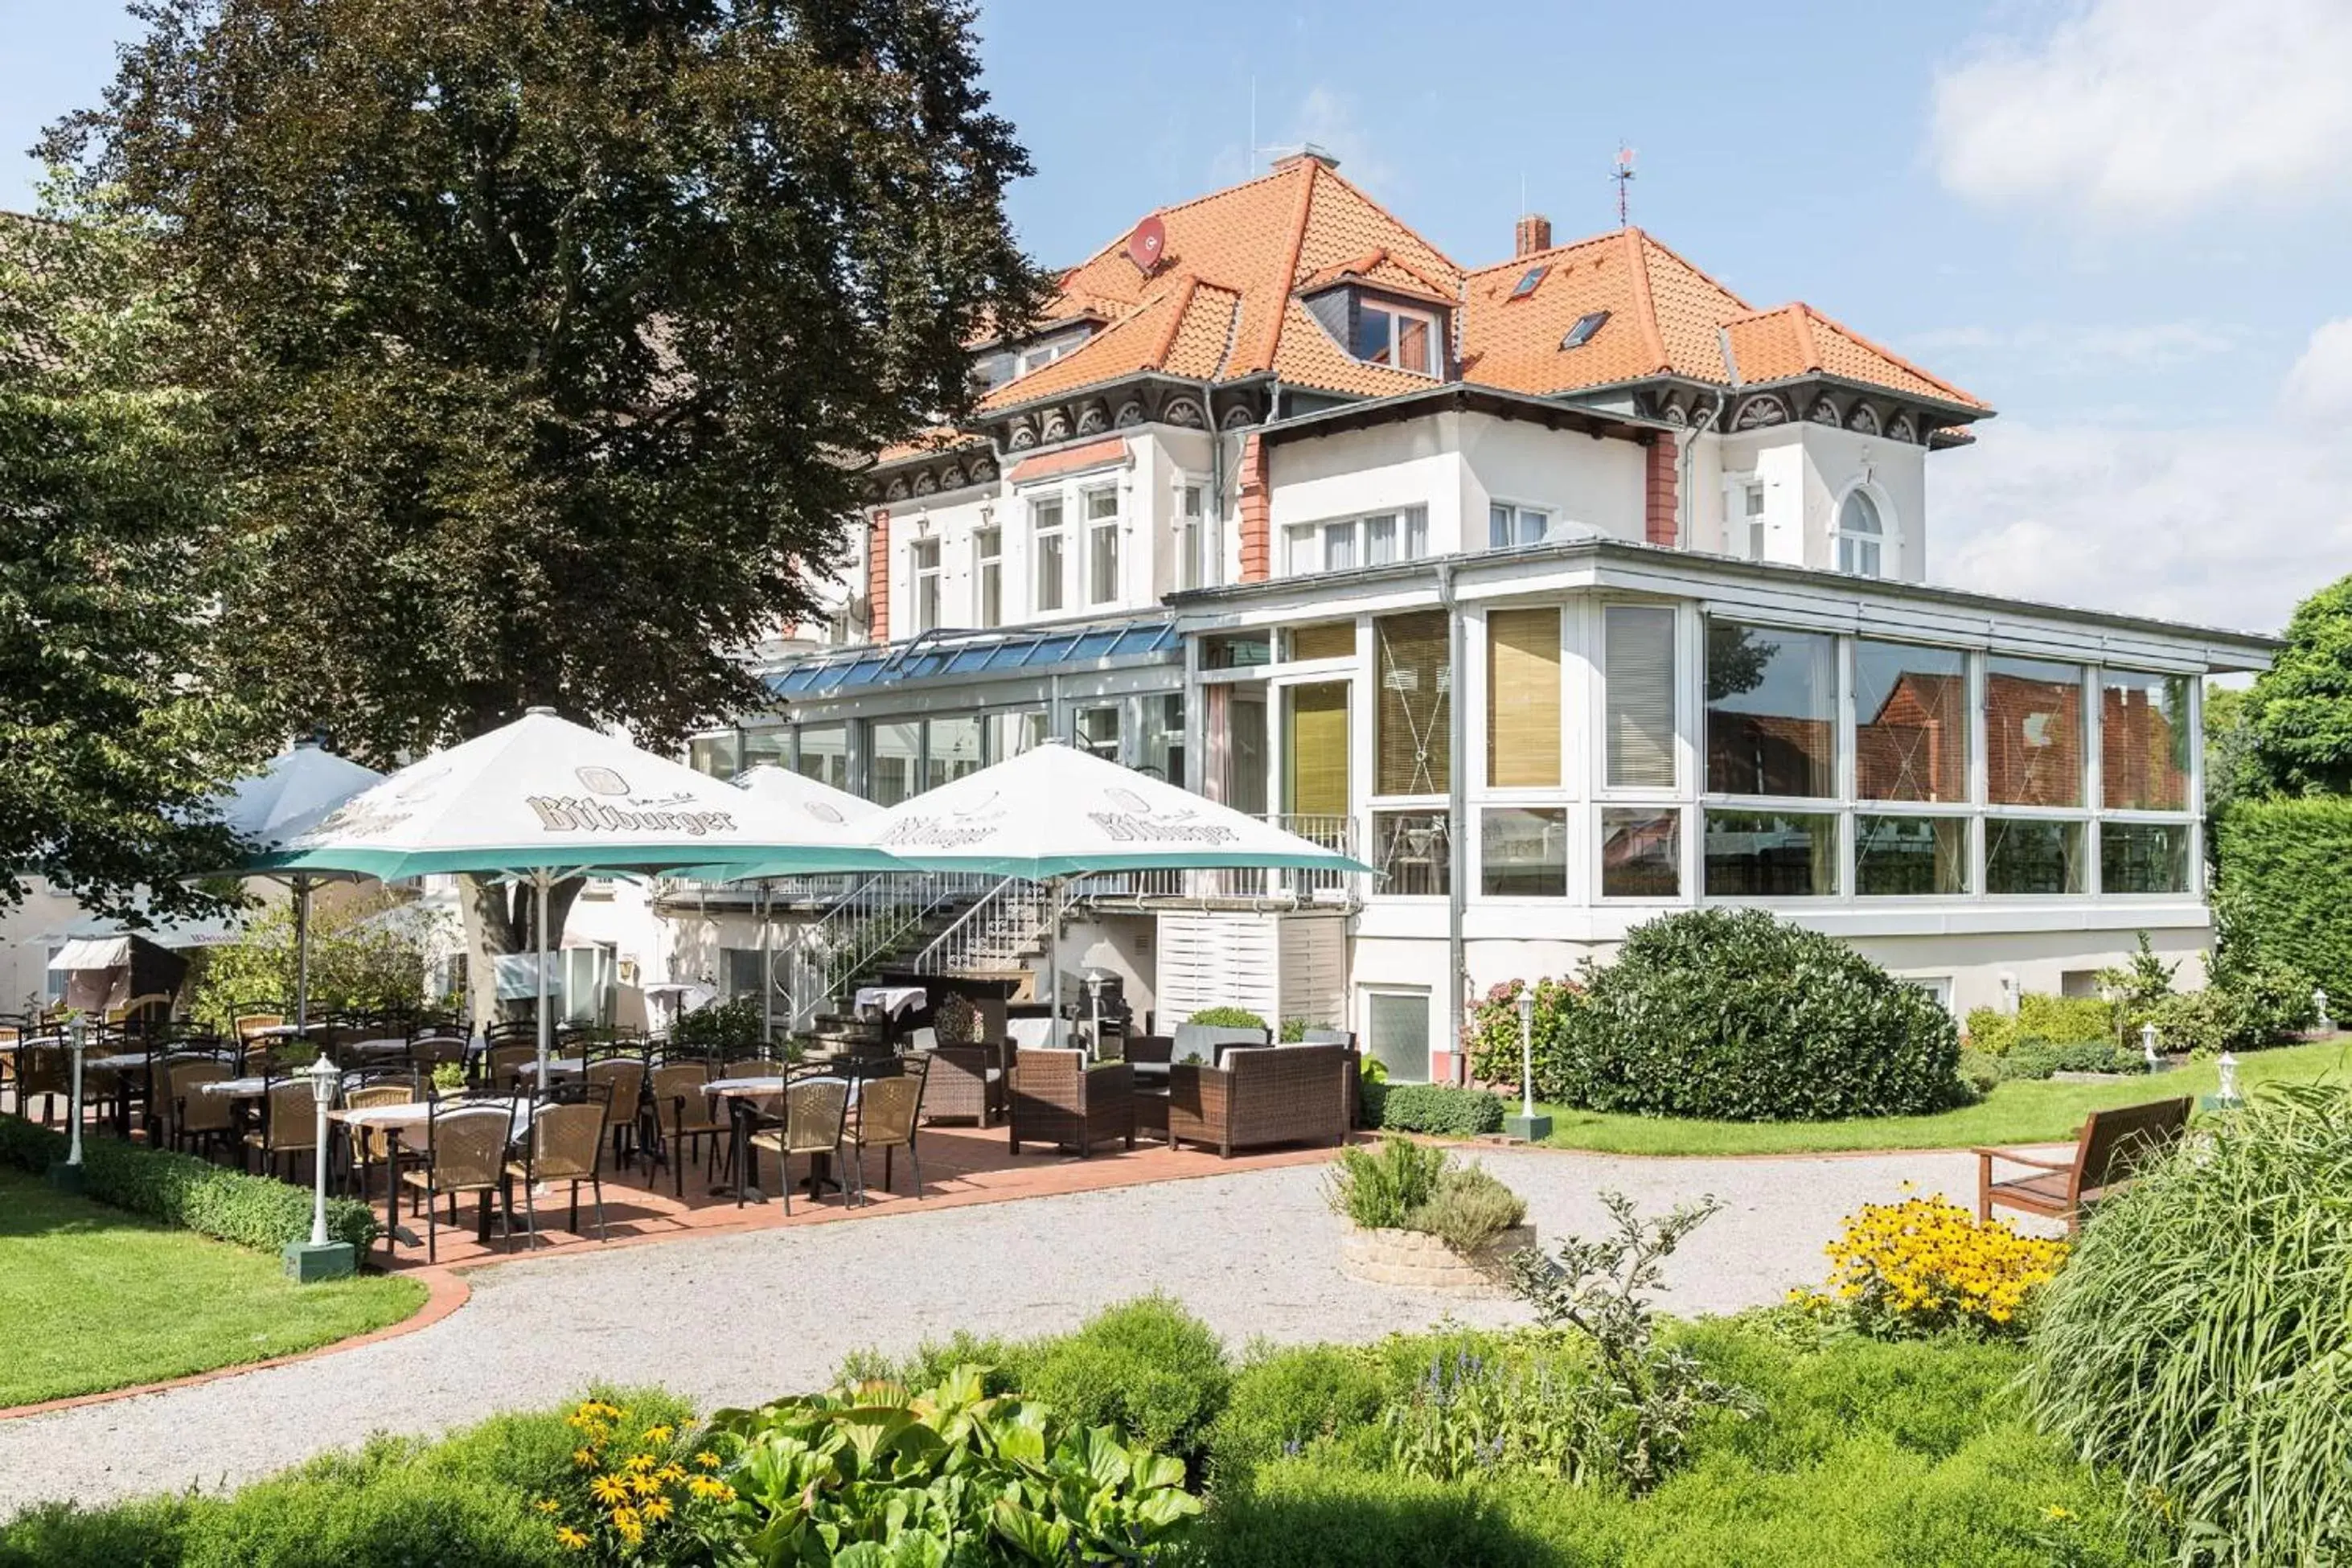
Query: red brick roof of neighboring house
[[1223, 301], [1069, 459]]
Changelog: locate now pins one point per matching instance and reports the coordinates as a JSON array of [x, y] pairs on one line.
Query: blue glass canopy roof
[[1030, 652]]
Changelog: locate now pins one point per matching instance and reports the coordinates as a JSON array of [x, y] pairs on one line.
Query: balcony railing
[[1258, 886]]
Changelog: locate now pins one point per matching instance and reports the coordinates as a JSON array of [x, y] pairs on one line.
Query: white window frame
[[1428, 997], [1102, 542], [1410, 532], [1397, 313], [987, 576], [1512, 518], [1191, 515], [924, 574], [1880, 545], [1057, 530]]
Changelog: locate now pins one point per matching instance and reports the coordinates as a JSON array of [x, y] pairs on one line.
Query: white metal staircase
[[1001, 933]]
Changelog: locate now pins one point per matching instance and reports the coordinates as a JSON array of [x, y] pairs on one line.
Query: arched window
[[1861, 537]]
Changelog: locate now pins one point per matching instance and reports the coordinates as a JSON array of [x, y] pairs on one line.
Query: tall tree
[[113, 726], [2299, 713], [556, 330]]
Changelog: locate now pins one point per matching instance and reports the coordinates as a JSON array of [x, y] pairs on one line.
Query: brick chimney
[[1533, 233]]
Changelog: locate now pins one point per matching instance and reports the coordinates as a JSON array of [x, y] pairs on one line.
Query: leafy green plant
[[871, 1477], [196, 1194], [2068, 1020], [1440, 1110], [1227, 1018], [2141, 981], [1734, 1016], [1147, 1367], [1980, 1070], [1376, 1188], [1469, 1210], [2277, 897], [719, 1028], [358, 960], [2040, 1058], [1630, 1421], [2195, 1339], [1554, 1033], [1285, 1399]]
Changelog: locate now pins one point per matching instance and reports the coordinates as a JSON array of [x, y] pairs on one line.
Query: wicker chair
[[623, 1081], [685, 1114], [887, 1112], [967, 1083], [247, 1027], [753, 1067], [198, 1119], [1287, 1094], [1055, 1098], [289, 1125], [566, 1144], [502, 1064], [45, 1070], [816, 1110], [429, 1051], [465, 1152], [369, 1146]]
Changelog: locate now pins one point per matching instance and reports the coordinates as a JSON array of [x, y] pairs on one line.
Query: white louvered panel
[[1315, 968], [1217, 960]]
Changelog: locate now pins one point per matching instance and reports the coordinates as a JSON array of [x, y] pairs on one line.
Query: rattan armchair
[[623, 1081], [502, 1065], [289, 1125], [368, 1147], [1056, 1097], [966, 1083], [816, 1111], [45, 1070], [566, 1144], [198, 1120], [685, 1115], [887, 1112], [465, 1152], [1271, 1094]]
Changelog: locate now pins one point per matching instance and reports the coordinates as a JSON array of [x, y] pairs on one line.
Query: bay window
[[1412, 739], [1638, 672]]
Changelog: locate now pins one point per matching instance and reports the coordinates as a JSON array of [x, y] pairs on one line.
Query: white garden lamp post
[[2325, 1024], [319, 1259], [1527, 1124], [67, 1177], [2148, 1046]]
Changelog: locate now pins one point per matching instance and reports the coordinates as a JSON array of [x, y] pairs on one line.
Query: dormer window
[[1009, 361], [1397, 335]]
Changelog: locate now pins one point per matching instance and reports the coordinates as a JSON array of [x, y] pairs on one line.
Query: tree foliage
[[2299, 713], [555, 332], [113, 542]]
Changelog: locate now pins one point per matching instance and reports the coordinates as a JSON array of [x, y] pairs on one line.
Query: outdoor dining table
[[391, 1120], [742, 1094], [557, 1067]]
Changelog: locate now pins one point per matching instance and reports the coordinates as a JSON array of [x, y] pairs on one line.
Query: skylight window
[[1528, 282], [1581, 334]]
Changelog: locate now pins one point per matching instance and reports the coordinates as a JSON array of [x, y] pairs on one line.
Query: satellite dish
[[1144, 245]]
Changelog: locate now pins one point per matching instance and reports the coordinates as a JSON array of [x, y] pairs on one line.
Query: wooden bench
[[2111, 1149]]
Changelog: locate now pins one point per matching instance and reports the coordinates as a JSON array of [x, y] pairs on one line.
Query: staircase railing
[[998, 932], [861, 928]]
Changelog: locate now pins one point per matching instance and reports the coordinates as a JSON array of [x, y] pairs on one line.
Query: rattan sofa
[[1263, 1094]]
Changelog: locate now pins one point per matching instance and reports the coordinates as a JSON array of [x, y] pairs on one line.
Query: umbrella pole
[[1053, 960], [538, 928], [767, 963], [301, 956]]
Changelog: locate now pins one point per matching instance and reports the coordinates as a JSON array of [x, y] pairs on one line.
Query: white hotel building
[[1566, 591]]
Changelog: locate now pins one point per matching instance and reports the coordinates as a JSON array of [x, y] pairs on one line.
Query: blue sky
[[2121, 222]]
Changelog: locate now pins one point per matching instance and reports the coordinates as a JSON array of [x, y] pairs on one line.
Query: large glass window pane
[[1097, 733], [988, 577], [950, 749], [2143, 858], [1012, 734], [824, 753], [2033, 732], [1413, 737], [1339, 546], [712, 754], [1413, 852], [1523, 854], [1638, 653], [1771, 710], [1396, 1033], [1911, 723], [891, 751], [2144, 740], [1163, 737], [1381, 539], [1315, 749], [1332, 639], [1045, 521], [1523, 699], [2024, 855], [769, 747], [1900, 854], [1234, 731], [1770, 855], [1641, 853], [1299, 554]]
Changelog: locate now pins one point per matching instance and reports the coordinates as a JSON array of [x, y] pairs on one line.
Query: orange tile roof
[[929, 442], [1069, 459], [1797, 339]]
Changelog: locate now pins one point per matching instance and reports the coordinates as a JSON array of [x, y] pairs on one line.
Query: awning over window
[[1031, 652], [93, 953]]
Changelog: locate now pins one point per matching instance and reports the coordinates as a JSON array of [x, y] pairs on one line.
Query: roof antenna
[[1624, 175], [1253, 141]]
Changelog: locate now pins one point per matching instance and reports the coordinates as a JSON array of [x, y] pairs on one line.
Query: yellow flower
[[548, 1505], [644, 1484], [2054, 1512], [583, 1458], [625, 1519], [610, 1491], [670, 1474], [704, 1487], [657, 1434], [706, 1459], [571, 1539], [640, 1462], [656, 1509]]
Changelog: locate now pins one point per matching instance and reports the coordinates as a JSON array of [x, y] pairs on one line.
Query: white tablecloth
[[890, 1000], [412, 1117], [761, 1087], [557, 1067], [240, 1088]]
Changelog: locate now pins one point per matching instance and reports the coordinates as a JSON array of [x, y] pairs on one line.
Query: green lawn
[[2024, 1112], [94, 1299]]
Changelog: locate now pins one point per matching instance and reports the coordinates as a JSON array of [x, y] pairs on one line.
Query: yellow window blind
[[1413, 738], [1523, 699], [1333, 639], [1315, 749]]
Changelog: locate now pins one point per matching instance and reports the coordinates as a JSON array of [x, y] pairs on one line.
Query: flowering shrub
[[1922, 1265], [1493, 1035], [637, 1495]]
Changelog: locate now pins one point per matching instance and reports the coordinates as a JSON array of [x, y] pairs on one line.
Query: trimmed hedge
[[2284, 868], [2042, 1017], [2040, 1058], [1440, 1109], [195, 1194]]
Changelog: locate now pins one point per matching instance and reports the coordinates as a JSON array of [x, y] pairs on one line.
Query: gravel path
[[739, 1318]]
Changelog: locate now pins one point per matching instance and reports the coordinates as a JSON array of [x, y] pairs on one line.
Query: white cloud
[[2150, 110], [2079, 349], [2319, 388], [2225, 525]]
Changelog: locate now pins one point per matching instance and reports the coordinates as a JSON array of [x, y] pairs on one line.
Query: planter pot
[[1422, 1262]]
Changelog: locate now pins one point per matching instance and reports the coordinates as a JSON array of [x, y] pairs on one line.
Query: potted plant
[[1417, 1218]]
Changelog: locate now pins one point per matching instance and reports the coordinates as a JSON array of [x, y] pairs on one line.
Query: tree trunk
[[497, 916]]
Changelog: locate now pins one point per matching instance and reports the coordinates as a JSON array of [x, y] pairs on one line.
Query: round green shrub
[[1733, 1015], [2195, 1340], [1226, 1018], [1980, 1070], [1288, 1400], [1440, 1110], [1147, 1366]]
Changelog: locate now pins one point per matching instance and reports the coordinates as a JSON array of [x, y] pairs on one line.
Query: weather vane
[[1623, 175]]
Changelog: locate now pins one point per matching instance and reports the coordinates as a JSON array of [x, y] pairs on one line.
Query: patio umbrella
[[292, 792], [1055, 812], [836, 808], [543, 799]]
